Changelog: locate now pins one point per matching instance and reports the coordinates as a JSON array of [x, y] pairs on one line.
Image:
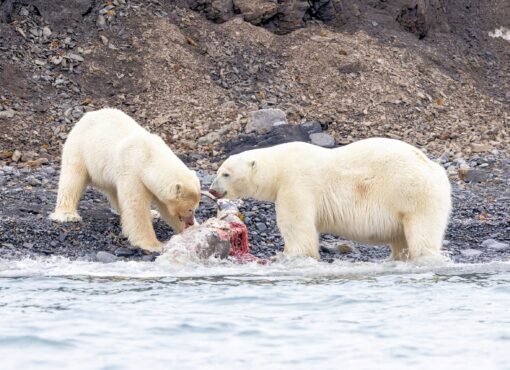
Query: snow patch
[[501, 32]]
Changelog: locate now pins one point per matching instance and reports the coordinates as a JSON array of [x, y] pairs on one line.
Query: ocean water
[[294, 314]]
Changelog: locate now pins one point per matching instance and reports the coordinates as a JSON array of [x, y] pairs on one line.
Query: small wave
[[32, 340], [288, 268]]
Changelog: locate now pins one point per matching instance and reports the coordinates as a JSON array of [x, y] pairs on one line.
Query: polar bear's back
[[98, 139], [385, 180], [108, 122], [364, 189]]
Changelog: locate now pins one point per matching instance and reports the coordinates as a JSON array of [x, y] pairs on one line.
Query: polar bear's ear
[[177, 190]]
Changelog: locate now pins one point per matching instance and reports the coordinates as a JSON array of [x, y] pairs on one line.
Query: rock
[[277, 135], [322, 139], [105, 257], [480, 148], [215, 10], [33, 181], [103, 39], [261, 121], [256, 11], [419, 16], [9, 113], [49, 171], [346, 248], [28, 156], [472, 175], [76, 57], [149, 257], [124, 252], [8, 169], [333, 248], [261, 226], [101, 21], [443, 158], [210, 138], [37, 162], [16, 156], [4, 154], [470, 252], [56, 60], [494, 244], [312, 127], [46, 31]]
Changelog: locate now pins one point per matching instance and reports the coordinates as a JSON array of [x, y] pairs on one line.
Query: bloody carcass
[[219, 237]]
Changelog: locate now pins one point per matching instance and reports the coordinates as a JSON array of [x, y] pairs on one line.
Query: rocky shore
[[479, 230]]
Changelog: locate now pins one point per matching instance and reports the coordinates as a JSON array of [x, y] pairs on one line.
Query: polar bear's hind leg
[[399, 250], [424, 235]]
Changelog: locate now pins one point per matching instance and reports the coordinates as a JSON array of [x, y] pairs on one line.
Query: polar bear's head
[[243, 175], [184, 202]]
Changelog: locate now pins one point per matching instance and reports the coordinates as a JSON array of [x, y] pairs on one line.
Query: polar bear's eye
[[225, 175]]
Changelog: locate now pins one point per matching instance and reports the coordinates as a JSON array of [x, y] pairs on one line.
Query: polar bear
[[374, 191], [109, 150]]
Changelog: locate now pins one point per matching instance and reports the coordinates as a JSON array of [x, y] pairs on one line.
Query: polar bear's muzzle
[[217, 193], [187, 220]]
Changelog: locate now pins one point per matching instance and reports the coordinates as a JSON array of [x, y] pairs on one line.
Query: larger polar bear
[[375, 191], [134, 168]]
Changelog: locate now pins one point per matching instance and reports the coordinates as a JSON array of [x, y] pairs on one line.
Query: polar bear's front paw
[[65, 216], [152, 247]]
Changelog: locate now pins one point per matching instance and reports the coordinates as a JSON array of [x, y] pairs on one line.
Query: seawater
[[294, 314]]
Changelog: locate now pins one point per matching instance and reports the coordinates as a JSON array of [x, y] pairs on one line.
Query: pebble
[[106, 257], [124, 252], [76, 57], [443, 158], [480, 148], [104, 39], [334, 247], [101, 21], [470, 252], [16, 156], [49, 170], [33, 181], [261, 226], [322, 139], [149, 257], [210, 138], [494, 244], [46, 31], [312, 127], [472, 175], [9, 113]]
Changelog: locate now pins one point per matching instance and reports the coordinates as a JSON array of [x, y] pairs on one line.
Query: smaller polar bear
[[134, 168], [372, 191]]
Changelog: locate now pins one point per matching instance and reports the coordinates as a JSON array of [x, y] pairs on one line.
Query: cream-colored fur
[[134, 168], [373, 191]]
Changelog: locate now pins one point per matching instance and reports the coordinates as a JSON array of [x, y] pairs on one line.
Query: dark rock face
[[58, 13], [419, 16], [278, 16], [284, 16], [215, 10]]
